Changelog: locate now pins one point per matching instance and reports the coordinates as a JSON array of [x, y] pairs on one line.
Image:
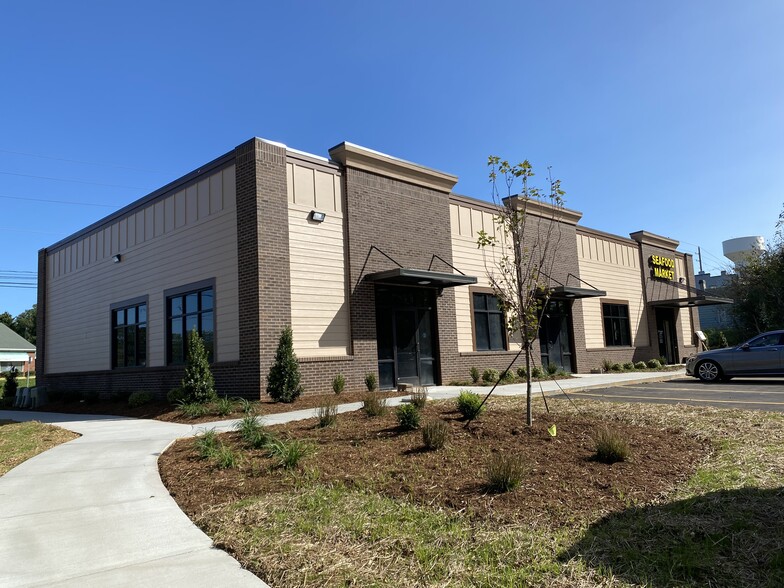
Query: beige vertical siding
[[684, 317], [614, 267], [319, 308], [472, 261], [157, 254]]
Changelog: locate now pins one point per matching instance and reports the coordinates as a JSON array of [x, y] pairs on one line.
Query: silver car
[[761, 356]]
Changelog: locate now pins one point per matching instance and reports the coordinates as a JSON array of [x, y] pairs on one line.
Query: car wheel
[[709, 371]]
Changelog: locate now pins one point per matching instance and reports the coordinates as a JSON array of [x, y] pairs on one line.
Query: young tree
[[519, 258], [197, 384], [283, 381]]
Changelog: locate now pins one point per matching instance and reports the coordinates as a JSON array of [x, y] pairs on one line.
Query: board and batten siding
[[184, 237], [614, 267], [466, 222], [684, 316], [319, 300]]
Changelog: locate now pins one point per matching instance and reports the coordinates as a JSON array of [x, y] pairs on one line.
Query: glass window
[[129, 343], [189, 312], [617, 332], [489, 324]]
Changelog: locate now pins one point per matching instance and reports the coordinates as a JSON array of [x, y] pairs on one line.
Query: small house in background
[[15, 351]]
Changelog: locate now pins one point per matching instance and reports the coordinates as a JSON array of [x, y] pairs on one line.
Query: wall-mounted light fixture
[[117, 258], [682, 280], [317, 217]]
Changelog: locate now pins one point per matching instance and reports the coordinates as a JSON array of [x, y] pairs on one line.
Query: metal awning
[[403, 276], [572, 293], [688, 301]]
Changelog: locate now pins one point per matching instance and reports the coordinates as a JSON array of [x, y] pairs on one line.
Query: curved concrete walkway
[[94, 512]]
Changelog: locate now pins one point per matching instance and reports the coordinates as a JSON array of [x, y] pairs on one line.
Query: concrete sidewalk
[[94, 512]]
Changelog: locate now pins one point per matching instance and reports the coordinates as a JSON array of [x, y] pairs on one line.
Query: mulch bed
[[564, 483]]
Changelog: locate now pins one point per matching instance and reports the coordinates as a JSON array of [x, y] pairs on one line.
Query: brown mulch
[[163, 411], [563, 482]]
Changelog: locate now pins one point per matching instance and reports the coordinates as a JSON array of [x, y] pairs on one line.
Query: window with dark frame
[[617, 331], [129, 341], [489, 324], [185, 312]]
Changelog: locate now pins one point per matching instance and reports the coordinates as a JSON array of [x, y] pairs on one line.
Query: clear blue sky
[[665, 116]]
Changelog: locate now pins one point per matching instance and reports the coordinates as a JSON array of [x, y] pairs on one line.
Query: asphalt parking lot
[[748, 393]]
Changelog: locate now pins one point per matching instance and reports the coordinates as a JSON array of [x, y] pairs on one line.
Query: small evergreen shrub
[[434, 434], [508, 377], [628, 366], [504, 472], [653, 364], [175, 395], [371, 382], [663, 361], [374, 405], [207, 444], [192, 410], [288, 453], [489, 376], [327, 414], [521, 373], [283, 381], [197, 383], [611, 446], [474, 375], [561, 373], [407, 417], [469, 404], [616, 367], [640, 365], [536, 373], [419, 397], [226, 457], [338, 383], [139, 398], [551, 369], [223, 406], [11, 385]]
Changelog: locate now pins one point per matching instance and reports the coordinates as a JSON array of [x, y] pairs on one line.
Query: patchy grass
[[699, 502], [21, 441]]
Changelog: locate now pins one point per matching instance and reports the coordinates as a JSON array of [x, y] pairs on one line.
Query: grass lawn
[[21, 441], [698, 503]]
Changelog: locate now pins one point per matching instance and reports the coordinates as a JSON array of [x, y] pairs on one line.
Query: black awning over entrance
[[688, 301], [403, 276], [572, 293]]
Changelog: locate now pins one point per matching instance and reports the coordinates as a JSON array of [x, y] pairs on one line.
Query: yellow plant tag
[[551, 429]]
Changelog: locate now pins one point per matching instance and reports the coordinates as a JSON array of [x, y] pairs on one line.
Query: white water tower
[[738, 250]]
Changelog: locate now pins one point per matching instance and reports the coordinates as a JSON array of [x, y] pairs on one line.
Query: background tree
[[283, 381], [25, 323], [523, 252], [7, 320]]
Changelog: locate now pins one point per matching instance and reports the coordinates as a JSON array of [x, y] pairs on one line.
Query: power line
[[68, 180], [105, 164], [71, 202]]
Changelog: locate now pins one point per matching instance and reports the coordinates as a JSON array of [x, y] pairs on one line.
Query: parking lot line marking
[[680, 399], [700, 389]]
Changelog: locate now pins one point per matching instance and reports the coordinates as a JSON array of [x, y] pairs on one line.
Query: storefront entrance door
[[554, 337], [665, 330]]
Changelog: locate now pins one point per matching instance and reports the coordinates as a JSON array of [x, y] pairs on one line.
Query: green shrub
[[474, 375], [371, 382], [226, 457], [139, 398], [521, 373], [551, 369], [561, 373], [407, 417], [490, 376], [288, 453], [536, 373], [640, 365], [207, 444], [628, 366], [327, 414], [338, 383], [283, 381], [11, 385], [434, 434], [610, 446], [469, 404], [374, 405], [663, 361], [117, 396], [192, 410], [197, 383], [419, 397], [508, 377], [223, 406], [654, 364], [606, 365], [176, 395], [616, 367], [504, 472]]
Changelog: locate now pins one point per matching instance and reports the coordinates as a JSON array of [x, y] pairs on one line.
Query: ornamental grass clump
[[419, 397], [223, 406], [611, 446], [408, 417], [253, 432], [191, 410], [225, 457], [283, 380], [207, 444], [288, 453], [469, 404], [374, 405], [434, 434], [504, 472], [327, 414]]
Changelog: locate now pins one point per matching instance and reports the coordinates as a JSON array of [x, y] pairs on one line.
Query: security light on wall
[[317, 217], [117, 258]]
